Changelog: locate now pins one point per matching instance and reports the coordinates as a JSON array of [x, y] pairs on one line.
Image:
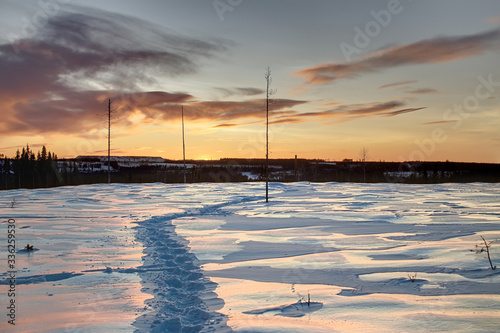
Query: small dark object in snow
[[29, 247], [486, 248]]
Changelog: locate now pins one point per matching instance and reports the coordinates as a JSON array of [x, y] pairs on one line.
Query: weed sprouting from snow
[[357, 289], [412, 277], [484, 247], [13, 203], [302, 298]]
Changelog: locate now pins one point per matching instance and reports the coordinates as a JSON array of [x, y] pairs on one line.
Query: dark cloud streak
[[422, 91], [248, 91], [52, 77], [399, 83], [349, 112]]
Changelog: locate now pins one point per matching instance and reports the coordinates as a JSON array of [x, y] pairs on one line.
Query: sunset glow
[[407, 80]]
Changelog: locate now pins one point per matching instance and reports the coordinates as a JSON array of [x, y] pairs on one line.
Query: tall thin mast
[[183, 145], [267, 142], [109, 141], [268, 83]]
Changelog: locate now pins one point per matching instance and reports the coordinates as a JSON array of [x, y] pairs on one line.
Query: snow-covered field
[[216, 258]]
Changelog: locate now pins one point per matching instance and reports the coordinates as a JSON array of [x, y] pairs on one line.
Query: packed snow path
[[184, 300]]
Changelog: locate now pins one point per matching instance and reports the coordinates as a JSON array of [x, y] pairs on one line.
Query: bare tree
[[110, 111], [269, 92]]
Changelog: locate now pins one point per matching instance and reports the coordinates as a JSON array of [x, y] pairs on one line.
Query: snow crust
[[216, 258]]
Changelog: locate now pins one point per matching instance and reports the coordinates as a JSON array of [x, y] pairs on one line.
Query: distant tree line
[[27, 170], [44, 169]]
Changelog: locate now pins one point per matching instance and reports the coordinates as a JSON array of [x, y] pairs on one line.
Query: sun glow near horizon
[[405, 82]]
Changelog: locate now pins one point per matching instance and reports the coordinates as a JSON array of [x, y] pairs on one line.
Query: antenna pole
[[109, 141], [267, 145], [183, 145], [268, 82]]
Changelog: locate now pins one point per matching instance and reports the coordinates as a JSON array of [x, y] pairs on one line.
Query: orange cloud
[[298, 91], [233, 110], [437, 50], [49, 74], [225, 125]]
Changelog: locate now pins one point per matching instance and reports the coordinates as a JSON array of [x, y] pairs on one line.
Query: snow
[[324, 257], [250, 175]]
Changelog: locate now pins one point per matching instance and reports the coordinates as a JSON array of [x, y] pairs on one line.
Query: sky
[[404, 80]]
